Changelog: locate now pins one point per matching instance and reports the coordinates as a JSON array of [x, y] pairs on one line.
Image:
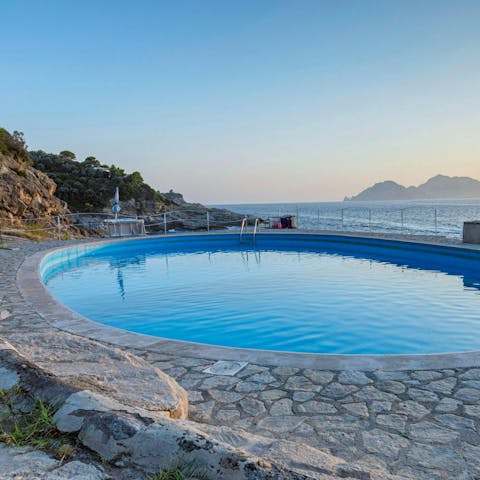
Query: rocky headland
[[36, 184], [438, 187]]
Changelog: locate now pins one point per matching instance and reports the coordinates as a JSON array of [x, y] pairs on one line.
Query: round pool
[[289, 292]]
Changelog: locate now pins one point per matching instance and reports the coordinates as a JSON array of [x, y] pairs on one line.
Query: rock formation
[[438, 187], [26, 192]]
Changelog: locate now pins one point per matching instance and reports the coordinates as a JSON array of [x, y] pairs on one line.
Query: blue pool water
[[288, 292]]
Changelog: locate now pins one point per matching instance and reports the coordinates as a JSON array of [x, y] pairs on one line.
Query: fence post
[[436, 221], [165, 223], [59, 227], [208, 221]]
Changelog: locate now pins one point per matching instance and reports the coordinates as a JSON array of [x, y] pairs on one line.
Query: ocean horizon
[[421, 217]]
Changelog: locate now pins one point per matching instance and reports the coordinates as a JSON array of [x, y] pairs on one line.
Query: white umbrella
[[116, 202]]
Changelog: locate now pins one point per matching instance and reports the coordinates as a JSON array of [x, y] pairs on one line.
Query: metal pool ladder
[[244, 229]]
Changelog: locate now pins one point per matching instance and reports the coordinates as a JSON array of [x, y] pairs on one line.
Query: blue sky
[[248, 101]]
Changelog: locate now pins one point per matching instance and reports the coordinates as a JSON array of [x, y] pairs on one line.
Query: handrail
[[256, 228], [244, 228]]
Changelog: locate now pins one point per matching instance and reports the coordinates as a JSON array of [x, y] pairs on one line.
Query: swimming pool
[[289, 292]]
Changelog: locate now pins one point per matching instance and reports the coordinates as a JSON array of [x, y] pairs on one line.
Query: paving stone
[[455, 422], [384, 443], [422, 395], [252, 407], [441, 457], [429, 432], [391, 386], [302, 396], [304, 430], [202, 412], [320, 377], [177, 372], [195, 396], [358, 408], [223, 396], [337, 390], [314, 407], [228, 416], [163, 365], [384, 375], [447, 405], [445, 386], [393, 421], [471, 453], [271, 395], [354, 378], [412, 409], [370, 393], [264, 377], [281, 424], [426, 375], [250, 370], [248, 387], [472, 374], [299, 382], [220, 381], [347, 423], [473, 410], [188, 384], [189, 362], [470, 383], [282, 407], [285, 371], [468, 395], [378, 406]]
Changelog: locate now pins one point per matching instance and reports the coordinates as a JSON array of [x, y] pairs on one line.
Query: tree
[[67, 154], [91, 162]]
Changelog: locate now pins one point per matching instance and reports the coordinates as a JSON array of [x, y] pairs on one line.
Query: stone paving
[[422, 424], [418, 424]]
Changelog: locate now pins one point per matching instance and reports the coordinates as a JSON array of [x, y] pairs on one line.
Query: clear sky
[[249, 100]]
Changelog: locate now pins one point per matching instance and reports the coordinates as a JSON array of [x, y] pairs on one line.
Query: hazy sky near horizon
[[249, 100]]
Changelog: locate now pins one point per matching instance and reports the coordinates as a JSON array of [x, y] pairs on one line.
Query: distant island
[[438, 187]]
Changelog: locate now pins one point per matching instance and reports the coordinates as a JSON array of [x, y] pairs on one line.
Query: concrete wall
[[471, 232]]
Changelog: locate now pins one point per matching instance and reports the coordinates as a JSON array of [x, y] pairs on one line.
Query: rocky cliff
[[24, 191]]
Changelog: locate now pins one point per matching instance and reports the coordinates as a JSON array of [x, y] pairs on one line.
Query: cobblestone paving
[[418, 424], [422, 424]]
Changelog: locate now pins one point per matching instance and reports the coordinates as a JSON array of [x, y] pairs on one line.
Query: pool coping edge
[[59, 316]]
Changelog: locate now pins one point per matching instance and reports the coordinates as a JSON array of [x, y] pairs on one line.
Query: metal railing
[[415, 220]]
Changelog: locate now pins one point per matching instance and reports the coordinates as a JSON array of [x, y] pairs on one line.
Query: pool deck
[[416, 416]]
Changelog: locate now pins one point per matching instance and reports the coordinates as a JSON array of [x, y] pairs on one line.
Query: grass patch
[[28, 421], [179, 471]]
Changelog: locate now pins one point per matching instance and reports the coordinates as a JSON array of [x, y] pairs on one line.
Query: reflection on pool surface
[[288, 292]]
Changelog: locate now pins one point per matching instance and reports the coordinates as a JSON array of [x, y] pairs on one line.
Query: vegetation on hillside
[[13, 145], [89, 185]]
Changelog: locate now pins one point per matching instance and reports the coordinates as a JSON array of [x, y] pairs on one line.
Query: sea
[[432, 217]]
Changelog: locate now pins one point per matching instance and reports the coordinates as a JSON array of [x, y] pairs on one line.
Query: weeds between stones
[[28, 421], [179, 471]]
